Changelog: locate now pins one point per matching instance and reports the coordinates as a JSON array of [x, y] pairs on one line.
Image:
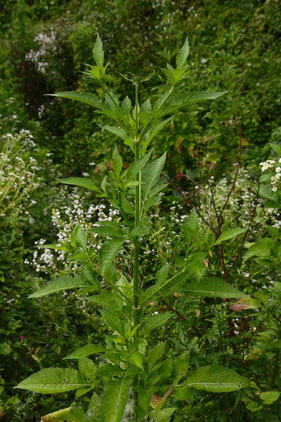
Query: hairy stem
[[136, 310]]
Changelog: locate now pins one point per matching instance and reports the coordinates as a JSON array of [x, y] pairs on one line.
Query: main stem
[[137, 218], [136, 310]]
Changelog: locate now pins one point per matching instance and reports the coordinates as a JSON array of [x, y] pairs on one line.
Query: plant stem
[[136, 310], [137, 218]]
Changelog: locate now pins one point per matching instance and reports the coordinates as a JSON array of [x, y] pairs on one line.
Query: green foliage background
[[235, 46]]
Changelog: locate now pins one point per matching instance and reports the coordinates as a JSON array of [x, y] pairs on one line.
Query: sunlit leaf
[[53, 380]]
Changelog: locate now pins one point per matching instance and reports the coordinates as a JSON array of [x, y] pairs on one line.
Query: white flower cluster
[[47, 44], [275, 180], [242, 201], [267, 165], [71, 209], [18, 172]]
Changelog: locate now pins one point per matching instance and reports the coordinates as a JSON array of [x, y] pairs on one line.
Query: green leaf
[[213, 287], [155, 354], [105, 299], [163, 414], [65, 282], [162, 274], [5, 349], [142, 229], [98, 53], [53, 380], [82, 182], [181, 366], [276, 148], [137, 166], [182, 55], [126, 105], [89, 349], [151, 174], [108, 229], [182, 100], [117, 162], [94, 409], [156, 321], [87, 368], [113, 321], [79, 237], [265, 191], [116, 395], [216, 379], [150, 134], [191, 97], [262, 248], [83, 97], [108, 252], [270, 397], [71, 414], [230, 234], [118, 131], [137, 359]]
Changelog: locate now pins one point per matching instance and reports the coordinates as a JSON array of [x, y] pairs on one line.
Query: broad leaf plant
[[124, 376]]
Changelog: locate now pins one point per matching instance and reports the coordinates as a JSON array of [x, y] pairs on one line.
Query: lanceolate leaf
[[216, 379], [71, 414], [89, 349], [156, 321], [155, 129], [137, 166], [60, 284], [79, 236], [112, 320], [53, 380], [192, 97], [108, 252], [98, 52], [115, 398], [151, 174], [108, 229], [117, 162], [83, 97], [182, 55], [182, 100], [230, 234], [213, 287], [118, 131], [82, 182]]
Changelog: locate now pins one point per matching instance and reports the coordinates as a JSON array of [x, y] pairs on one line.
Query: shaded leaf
[[213, 287], [151, 174], [108, 252], [117, 162], [112, 320], [89, 349], [156, 321], [216, 379]]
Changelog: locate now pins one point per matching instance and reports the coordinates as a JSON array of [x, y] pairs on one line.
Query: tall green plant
[[127, 371]]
